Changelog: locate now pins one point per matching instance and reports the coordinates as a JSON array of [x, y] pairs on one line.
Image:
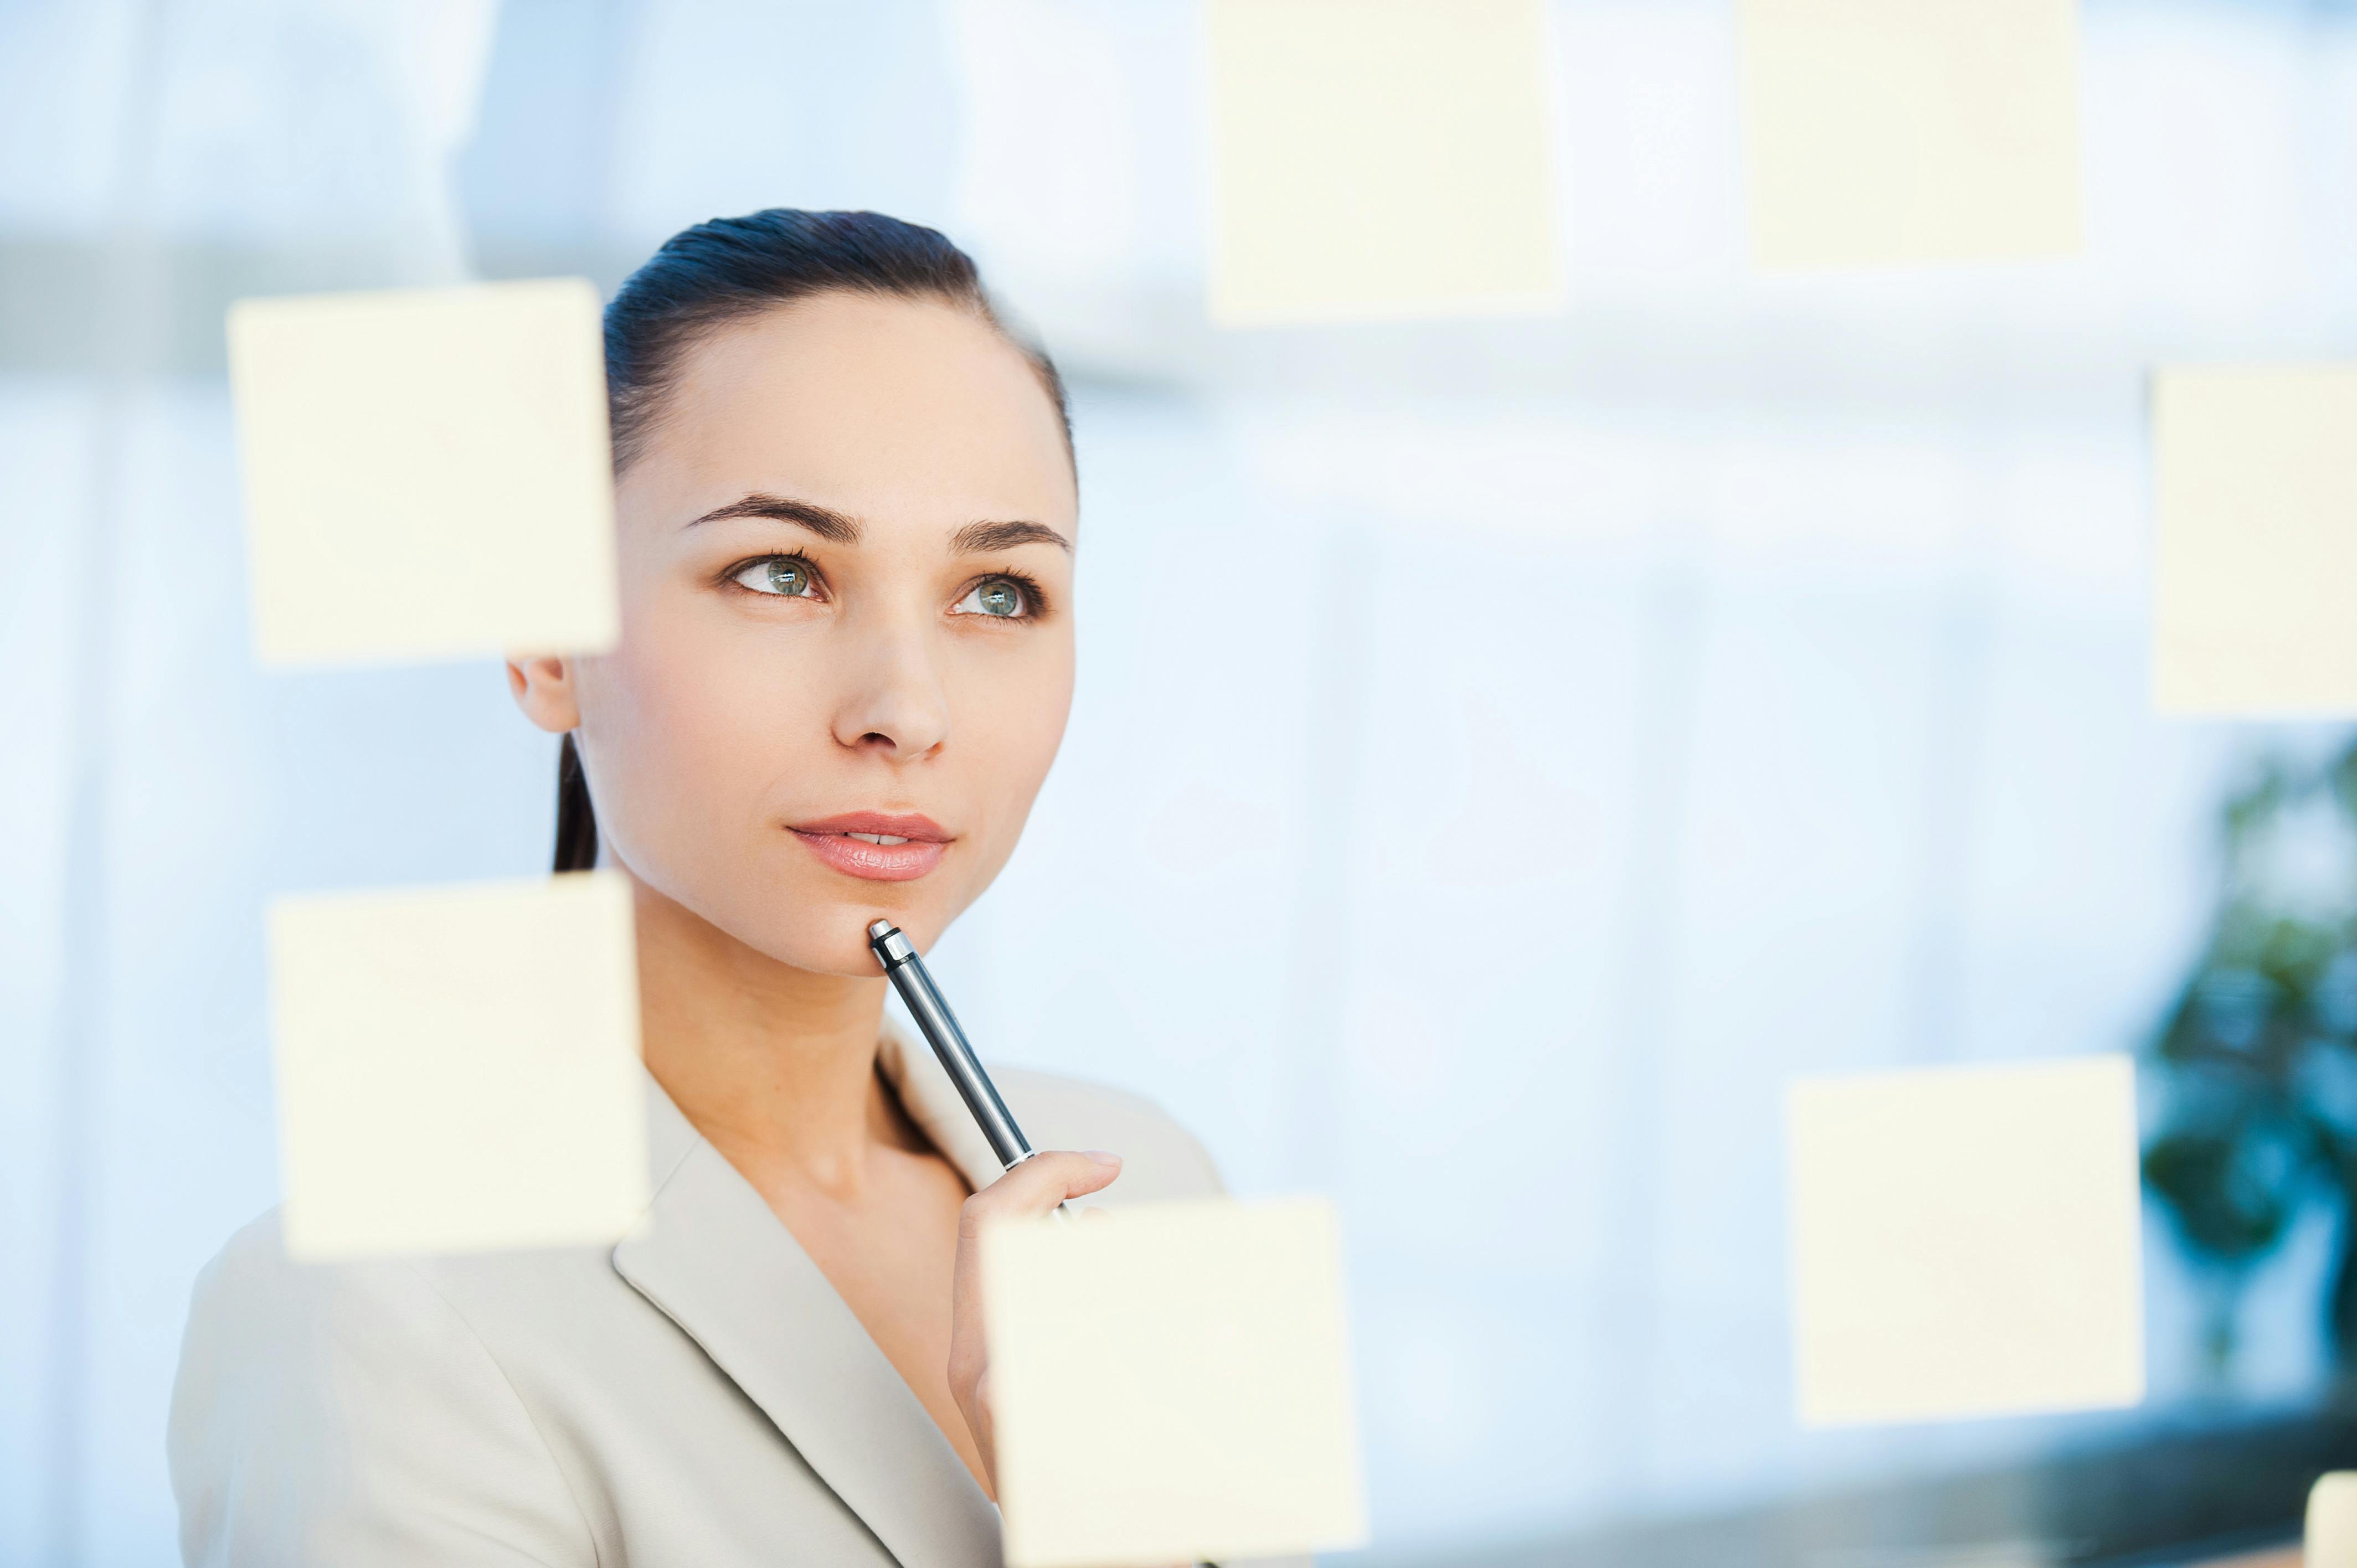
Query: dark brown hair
[[725, 271]]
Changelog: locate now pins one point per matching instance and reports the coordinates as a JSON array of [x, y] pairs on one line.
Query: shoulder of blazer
[[1160, 1159], [349, 1413]]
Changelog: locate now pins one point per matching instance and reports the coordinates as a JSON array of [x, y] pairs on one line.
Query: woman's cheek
[[1025, 721], [673, 724], [725, 720]]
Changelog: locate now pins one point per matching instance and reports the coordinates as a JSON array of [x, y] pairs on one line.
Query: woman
[[848, 507]]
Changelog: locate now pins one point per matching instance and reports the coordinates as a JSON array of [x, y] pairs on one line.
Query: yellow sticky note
[[2330, 1534], [1965, 1242], [1381, 160], [1170, 1382], [458, 1067], [2256, 498], [1901, 130], [426, 472]]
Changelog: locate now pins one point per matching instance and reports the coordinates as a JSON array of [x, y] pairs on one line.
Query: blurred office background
[[1505, 752]]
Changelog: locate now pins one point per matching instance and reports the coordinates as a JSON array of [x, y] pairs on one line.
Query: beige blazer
[[696, 1397]]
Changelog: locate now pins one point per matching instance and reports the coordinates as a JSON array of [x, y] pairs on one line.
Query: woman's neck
[[775, 1066]]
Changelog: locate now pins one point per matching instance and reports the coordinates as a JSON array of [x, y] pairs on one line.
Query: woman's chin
[[829, 935]]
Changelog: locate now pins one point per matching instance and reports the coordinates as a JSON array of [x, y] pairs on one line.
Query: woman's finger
[[1036, 1186]]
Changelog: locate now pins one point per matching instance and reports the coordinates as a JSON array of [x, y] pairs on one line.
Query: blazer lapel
[[713, 1257]]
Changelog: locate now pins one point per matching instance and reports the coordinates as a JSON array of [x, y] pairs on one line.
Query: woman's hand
[[1028, 1192]]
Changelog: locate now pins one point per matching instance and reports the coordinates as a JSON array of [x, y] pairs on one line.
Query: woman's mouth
[[871, 851]]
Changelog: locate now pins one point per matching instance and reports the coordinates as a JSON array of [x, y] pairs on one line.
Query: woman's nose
[[894, 692]]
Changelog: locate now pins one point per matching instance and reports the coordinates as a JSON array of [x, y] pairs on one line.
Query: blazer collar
[[711, 1256]]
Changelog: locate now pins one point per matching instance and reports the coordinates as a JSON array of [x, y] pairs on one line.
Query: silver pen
[[909, 977]]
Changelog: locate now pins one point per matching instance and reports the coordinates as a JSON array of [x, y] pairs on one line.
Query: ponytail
[[576, 822]]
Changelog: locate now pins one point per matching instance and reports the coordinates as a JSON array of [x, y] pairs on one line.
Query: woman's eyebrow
[[827, 523], [977, 538], [974, 538]]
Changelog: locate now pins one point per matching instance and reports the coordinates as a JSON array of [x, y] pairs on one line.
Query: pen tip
[[879, 929]]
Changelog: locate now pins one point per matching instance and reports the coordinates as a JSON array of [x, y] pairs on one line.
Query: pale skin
[[895, 673]]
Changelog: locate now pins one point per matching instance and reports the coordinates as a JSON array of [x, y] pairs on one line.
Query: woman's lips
[[876, 861]]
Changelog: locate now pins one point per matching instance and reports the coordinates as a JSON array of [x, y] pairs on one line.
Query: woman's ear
[[543, 687]]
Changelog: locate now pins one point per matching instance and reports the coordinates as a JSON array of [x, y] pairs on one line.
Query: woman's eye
[[778, 574], [999, 597]]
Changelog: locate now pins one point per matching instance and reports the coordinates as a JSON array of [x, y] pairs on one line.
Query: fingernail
[[1101, 1158]]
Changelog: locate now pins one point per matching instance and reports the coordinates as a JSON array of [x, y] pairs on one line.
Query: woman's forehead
[[871, 405]]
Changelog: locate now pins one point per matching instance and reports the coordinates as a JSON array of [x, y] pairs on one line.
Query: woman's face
[[846, 582]]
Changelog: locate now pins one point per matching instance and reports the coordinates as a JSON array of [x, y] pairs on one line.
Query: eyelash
[[1034, 599]]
